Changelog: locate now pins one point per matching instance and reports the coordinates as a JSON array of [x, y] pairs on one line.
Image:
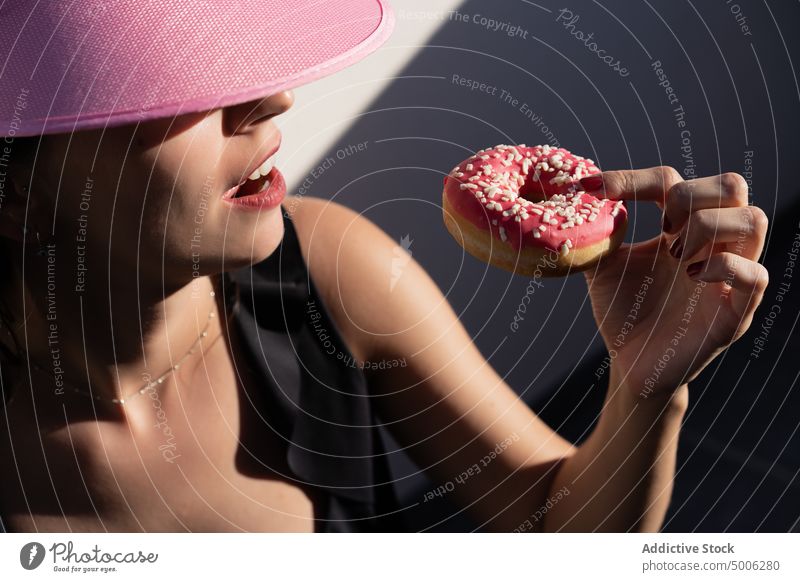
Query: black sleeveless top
[[317, 396]]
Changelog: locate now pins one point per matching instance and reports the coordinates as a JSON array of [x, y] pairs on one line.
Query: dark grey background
[[739, 451]]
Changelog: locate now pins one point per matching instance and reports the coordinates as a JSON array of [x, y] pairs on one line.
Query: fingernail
[[666, 225], [676, 248], [591, 182], [694, 269]]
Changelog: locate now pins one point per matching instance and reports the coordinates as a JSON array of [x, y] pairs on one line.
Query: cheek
[[101, 215], [177, 215]]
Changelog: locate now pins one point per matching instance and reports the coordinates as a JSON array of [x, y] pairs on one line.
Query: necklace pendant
[[149, 385]]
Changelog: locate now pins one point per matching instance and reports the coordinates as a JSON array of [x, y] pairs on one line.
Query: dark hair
[[18, 154]]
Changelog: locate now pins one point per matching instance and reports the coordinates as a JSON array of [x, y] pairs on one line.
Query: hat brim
[[67, 72]]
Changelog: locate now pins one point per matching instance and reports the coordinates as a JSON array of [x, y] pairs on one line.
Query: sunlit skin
[[447, 406]]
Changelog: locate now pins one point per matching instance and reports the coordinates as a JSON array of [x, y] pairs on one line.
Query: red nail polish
[[676, 248], [591, 182], [666, 225], [694, 269]]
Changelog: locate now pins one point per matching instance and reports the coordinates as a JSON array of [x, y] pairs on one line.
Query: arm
[[447, 407], [463, 425], [620, 478], [666, 307], [450, 409]]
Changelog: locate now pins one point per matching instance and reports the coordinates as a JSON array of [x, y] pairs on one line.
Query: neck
[[109, 342]]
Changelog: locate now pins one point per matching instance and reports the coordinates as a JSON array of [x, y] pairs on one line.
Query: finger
[[650, 184], [683, 198], [738, 230], [748, 279]]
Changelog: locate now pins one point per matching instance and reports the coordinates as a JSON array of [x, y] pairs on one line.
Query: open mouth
[[252, 187], [258, 181]]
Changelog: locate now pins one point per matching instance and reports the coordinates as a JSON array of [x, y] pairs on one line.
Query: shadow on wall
[[698, 87]]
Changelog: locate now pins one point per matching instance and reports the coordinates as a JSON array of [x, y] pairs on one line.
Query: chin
[[254, 247]]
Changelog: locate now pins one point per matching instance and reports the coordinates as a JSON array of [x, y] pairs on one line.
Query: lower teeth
[[244, 192]]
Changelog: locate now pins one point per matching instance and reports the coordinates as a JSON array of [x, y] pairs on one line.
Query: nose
[[247, 117]]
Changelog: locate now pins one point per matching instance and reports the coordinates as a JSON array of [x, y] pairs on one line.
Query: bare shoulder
[[350, 260]]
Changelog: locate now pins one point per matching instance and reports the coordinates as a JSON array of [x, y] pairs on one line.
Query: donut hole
[[541, 189], [533, 190]]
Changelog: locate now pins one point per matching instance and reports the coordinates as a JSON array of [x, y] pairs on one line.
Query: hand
[[668, 306]]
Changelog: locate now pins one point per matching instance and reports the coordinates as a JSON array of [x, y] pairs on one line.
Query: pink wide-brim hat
[[70, 65]]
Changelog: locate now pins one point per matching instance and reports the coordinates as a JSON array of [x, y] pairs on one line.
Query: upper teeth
[[263, 169]]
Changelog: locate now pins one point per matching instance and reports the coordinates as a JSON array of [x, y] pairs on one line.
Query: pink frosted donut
[[520, 208]]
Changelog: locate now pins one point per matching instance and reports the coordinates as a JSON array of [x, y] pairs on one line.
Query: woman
[[179, 336]]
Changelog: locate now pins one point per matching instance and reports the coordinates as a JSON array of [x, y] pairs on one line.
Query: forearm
[[620, 478]]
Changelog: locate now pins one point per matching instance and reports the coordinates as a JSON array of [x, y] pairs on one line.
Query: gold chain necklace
[[149, 384], [160, 380]]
